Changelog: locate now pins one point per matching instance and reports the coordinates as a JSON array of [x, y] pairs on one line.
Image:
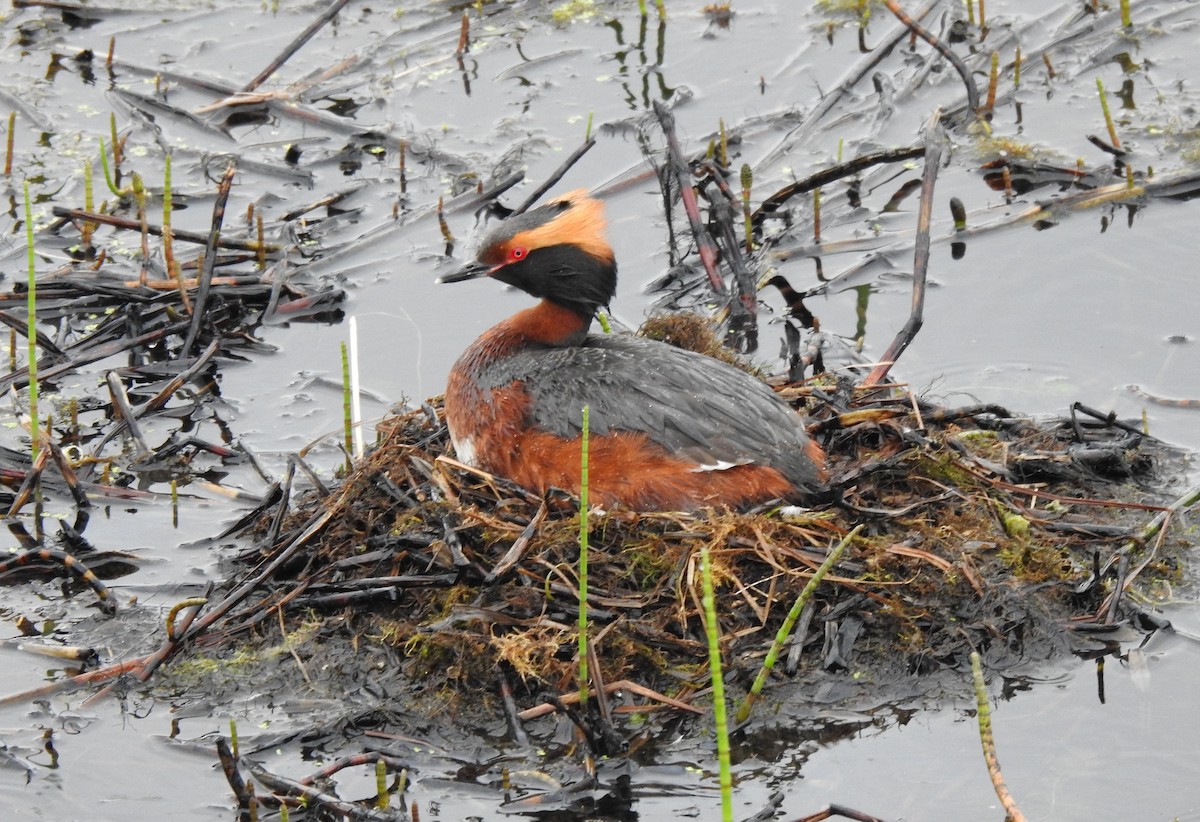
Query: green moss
[[1033, 563], [647, 563], [197, 668], [1015, 525], [573, 10]]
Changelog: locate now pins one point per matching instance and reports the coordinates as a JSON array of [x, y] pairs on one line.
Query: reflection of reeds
[[993, 82], [31, 333], [747, 183]]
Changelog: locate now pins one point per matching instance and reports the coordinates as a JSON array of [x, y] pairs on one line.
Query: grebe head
[[557, 252]]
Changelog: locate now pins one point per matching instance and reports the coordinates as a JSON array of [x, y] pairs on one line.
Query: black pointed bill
[[470, 271]]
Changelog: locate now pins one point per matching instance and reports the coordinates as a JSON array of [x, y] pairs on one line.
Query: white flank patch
[[720, 465], [465, 449]]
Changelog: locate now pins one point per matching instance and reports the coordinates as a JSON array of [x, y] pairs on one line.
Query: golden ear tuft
[[583, 225]]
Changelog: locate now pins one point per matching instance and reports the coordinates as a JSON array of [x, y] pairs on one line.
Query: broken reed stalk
[[993, 82], [403, 170], [118, 149], [984, 713], [1108, 120], [8, 152], [464, 37], [205, 274], [747, 182], [934, 141], [443, 225], [31, 333], [295, 45], [816, 216], [89, 204], [557, 174], [139, 197], [172, 265], [583, 559], [789, 622], [712, 631], [382, 800], [1126, 17], [261, 252], [1017, 69]]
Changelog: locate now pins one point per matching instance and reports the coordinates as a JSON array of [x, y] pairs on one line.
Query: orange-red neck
[[548, 323]]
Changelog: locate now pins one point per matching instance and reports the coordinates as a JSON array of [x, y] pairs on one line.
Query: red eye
[[516, 254]]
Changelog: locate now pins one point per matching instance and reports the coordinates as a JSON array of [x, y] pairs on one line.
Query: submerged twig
[[295, 45]]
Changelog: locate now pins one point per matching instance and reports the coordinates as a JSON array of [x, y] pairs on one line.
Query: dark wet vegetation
[[441, 602]]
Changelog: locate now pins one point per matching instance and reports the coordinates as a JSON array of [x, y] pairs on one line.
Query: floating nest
[[983, 531]]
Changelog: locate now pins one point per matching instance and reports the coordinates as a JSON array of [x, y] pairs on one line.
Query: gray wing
[[690, 404]]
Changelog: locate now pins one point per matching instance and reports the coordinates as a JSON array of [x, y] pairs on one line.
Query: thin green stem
[[789, 622], [118, 148], [108, 179], [347, 421], [1108, 120], [747, 184], [712, 629], [983, 713], [583, 560], [381, 790]]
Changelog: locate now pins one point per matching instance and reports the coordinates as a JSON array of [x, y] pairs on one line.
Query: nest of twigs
[[984, 531]]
